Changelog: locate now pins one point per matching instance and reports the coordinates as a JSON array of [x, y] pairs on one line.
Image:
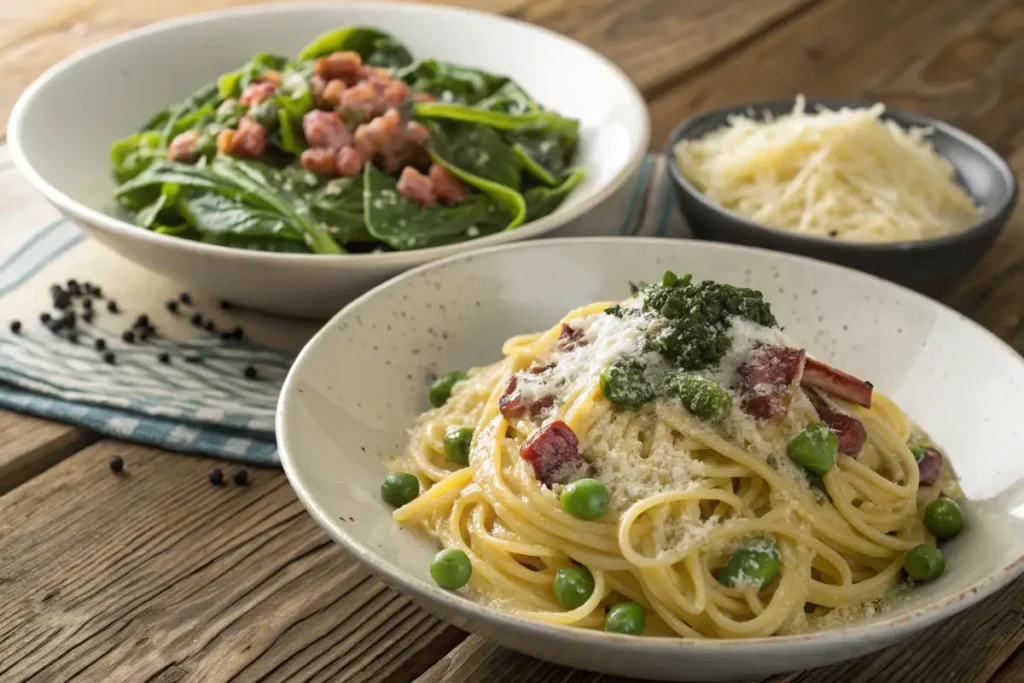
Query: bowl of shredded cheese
[[899, 195]]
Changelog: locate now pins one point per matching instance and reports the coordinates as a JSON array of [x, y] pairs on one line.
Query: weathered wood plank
[[29, 445], [986, 636], [163, 577], [653, 40]]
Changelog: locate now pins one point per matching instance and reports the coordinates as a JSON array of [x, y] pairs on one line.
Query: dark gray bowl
[[926, 265]]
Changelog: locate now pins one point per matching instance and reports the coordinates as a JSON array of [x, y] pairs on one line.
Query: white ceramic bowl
[[62, 127], [362, 380]]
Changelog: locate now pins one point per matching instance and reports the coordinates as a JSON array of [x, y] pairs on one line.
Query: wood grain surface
[[157, 576]]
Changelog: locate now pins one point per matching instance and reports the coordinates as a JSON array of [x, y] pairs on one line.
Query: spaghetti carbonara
[[673, 465]]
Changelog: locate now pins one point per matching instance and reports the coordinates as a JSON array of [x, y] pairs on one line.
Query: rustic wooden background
[[159, 577]]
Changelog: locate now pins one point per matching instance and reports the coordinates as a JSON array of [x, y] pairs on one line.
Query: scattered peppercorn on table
[[120, 562]]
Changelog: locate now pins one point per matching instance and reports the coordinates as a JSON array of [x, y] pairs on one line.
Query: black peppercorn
[[87, 304], [100, 344], [69, 320], [225, 305], [226, 336], [172, 306], [72, 283], [164, 358], [210, 327], [241, 478], [97, 292], [216, 477], [112, 306], [237, 333], [73, 337], [141, 321], [116, 464], [193, 359], [108, 357], [196, 319], [185, 298], [88, 316], [128, 336], [44, 318], [249, 372], [15, 326], [145, 333]]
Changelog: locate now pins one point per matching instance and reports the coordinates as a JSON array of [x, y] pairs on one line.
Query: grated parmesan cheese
[[846, 174]]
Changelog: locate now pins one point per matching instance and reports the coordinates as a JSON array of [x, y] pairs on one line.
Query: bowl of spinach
[[290, 168]]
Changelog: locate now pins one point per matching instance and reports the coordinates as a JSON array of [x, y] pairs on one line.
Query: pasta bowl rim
[[471, 610], [122, 228], [982, 227]]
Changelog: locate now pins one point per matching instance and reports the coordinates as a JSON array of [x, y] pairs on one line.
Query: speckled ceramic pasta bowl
[[358, 386]]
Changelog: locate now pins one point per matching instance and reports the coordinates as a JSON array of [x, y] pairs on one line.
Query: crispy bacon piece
[[511, 403], [850, 430], [930, 466], [449, 189], [257, 93], [182, 146], [836, 382], [248, 142], [554, 452], [415, 186], [570, 338], [325, 129], [768, 380]]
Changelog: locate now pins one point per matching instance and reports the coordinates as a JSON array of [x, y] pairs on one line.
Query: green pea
[[815, 448], [703, 397], [624, 385], [573, 586], [441, 389], [399, 488], [943, 518], [450, 569], [756, 564], [918, 452], [457, 441], [924, 562], [626, 617], [585, 499]]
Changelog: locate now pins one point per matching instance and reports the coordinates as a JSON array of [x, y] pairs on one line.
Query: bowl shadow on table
[[930, 266]]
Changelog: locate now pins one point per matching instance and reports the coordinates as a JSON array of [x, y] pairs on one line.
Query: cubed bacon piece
[[768, 380], [395, 93], [319, 85], [325, 129], [248, 142], [271, 76], [511, 403], [571, 338], [333, 91], [449, 189], [182, 146], [415, 186], [374, 137], [417, 132], [847, 428], [360, 97], [257, 93], [930, 466], [344, 65], [836, 382], [349, 162], [554, 452], [320, 160]]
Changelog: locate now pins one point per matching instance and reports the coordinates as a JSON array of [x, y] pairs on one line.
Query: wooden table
[[160, 577]]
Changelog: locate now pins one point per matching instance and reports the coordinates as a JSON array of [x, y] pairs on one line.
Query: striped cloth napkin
[[184, 388]]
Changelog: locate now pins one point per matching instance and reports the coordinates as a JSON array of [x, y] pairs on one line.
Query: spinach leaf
[[545, 156], [375, 47], [289, 132], [451, 82], [478, 150], [203, 100], [211, 213], [134, 154], [510, 98], [403, 224], [199, 177], [262, 186], [339, 205], [540, 201], [146, 216], [536, 120]]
